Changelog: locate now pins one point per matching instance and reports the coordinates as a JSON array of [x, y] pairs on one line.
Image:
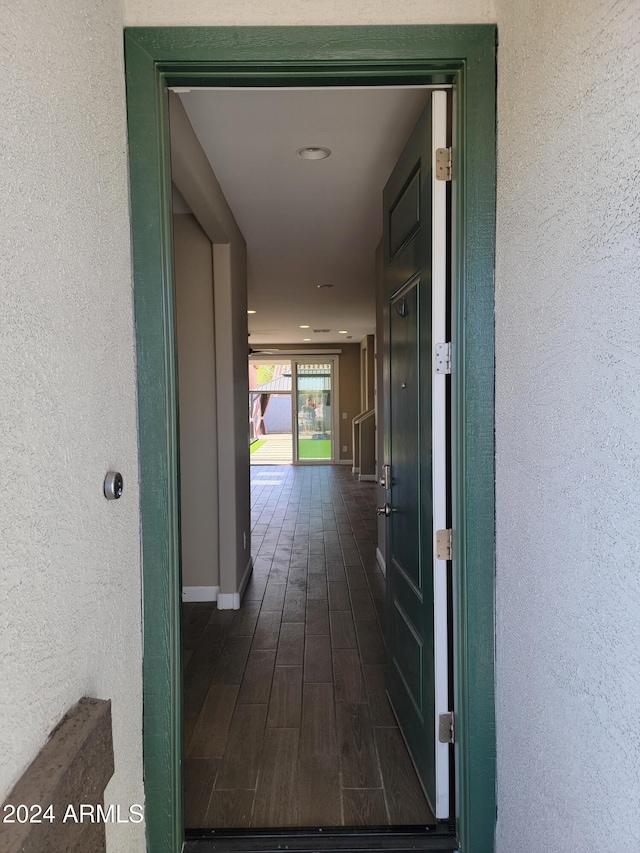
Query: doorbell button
[[113, 485]]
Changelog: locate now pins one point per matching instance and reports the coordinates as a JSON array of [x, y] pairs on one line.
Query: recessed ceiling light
[[306, 339], [323, 286], [304, 327], [251, 312], [343, 332], [313, 152]]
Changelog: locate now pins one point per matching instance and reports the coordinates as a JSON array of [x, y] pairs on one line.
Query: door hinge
[[444, 544], [446, 728], [443, 164], [443, 358]]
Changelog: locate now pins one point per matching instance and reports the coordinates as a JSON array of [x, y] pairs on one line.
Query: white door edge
[[439, 427]]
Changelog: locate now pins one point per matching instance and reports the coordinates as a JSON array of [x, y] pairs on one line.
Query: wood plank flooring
[[286, 718]]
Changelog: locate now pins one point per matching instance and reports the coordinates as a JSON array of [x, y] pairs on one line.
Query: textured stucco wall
[[70, 560], [208, 13], [568, 426]]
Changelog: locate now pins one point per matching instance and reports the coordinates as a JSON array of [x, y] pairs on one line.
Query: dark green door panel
[[407, 270], [404, 216], [463, 55], [404, 415]]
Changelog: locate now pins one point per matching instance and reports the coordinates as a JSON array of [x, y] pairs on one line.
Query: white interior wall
[[70, 579], [568, 426], [194, 285]]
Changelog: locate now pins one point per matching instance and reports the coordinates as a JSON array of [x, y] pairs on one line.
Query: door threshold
[[440, 838]]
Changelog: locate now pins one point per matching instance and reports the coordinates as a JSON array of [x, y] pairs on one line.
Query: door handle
[[384, 510]]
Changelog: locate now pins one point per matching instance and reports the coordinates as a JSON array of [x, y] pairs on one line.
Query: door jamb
[[167, 56]]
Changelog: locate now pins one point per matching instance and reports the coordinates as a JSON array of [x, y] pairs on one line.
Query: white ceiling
[[306, 222]]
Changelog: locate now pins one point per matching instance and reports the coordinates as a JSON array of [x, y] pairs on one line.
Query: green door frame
[[315, 56]]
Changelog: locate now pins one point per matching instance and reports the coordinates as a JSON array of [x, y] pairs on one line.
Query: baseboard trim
[[200, 593], [231, 600], [370, 478], [355, 470], [345, 461], [381, 562]]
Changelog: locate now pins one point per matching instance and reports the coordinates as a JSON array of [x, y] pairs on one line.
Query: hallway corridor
[[286, 719]]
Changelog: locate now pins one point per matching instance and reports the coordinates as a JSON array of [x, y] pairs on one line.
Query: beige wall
[[349, 395], [70, 576], [193, 265], [367, 373], [197, 184]]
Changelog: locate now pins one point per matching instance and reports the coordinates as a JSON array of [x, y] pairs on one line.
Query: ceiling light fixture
[[313, 152], [251, 312], [343, 332], [306, 339], [304, 327], [323, 286]]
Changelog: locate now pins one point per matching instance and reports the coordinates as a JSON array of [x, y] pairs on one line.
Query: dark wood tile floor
[[286, 719]]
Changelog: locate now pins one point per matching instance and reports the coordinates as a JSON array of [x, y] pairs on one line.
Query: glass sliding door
[[271, 431], [313, 415]]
